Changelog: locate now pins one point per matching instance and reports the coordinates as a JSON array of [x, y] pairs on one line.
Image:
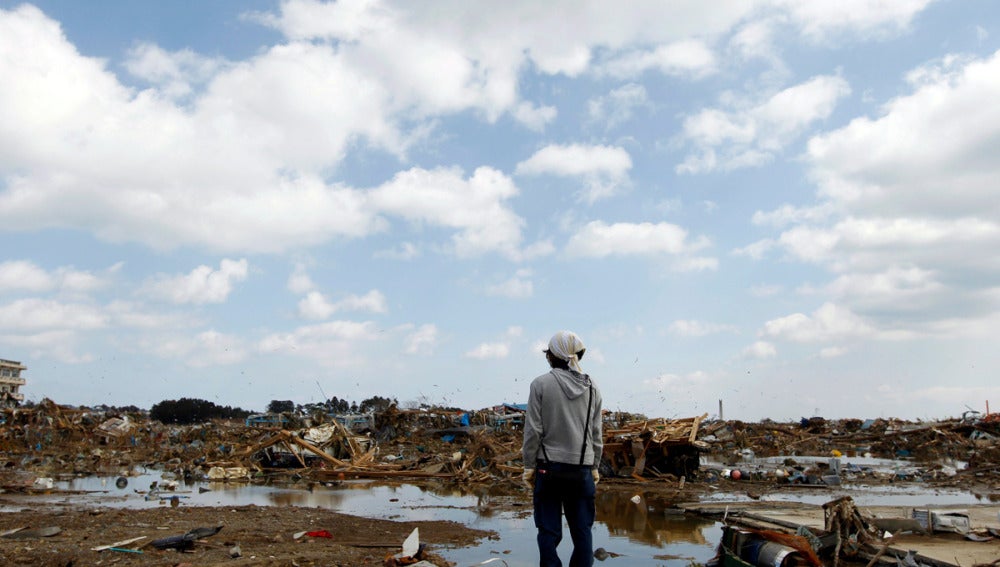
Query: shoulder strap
[[586, 425]]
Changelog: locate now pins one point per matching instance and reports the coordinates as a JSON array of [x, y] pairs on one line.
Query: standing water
[[631, 528]]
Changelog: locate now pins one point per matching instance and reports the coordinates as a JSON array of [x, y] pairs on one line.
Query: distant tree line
[[190, 410], [333, 405]]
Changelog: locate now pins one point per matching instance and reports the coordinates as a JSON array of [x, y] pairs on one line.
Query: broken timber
[[653, 448]]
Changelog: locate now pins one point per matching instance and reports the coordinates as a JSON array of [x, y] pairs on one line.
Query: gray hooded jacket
[[555, 423]]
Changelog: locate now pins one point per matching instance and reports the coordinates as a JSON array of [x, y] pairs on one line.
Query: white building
[[11, 382]]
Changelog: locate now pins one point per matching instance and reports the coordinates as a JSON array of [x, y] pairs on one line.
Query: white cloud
[[689, 57], [820, 20], [755, 40], [486, 351], [475, 207], [76, 281], [519, 286], [57, 345], [22, 275], [422, 341], [299, 281], [943, 135], [175, 74], [333, 344], [538, 249], [534, 117], [828, 323], [598, 239], [315, 305], [788, 214], [907, 221], [234, 170], [41, 314], [501, 348], [208, 348], [133, 315], [755, 250], [402, 251], [234, 155], [203, 285], [475, 56], [905, 285], [373, 302], [760, 350], [618, 106], [753, 134], [695, 328], [604, 169], [874, 242]]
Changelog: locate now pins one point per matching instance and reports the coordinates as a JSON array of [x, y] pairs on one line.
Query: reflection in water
[[649, 533], [303, 498], [646, 534], [651, 521]]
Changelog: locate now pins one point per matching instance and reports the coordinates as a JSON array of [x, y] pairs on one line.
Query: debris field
[[673, 457]]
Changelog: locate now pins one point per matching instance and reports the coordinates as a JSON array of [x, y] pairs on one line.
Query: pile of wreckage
[[849, 536], [948, 452], [473, 446]]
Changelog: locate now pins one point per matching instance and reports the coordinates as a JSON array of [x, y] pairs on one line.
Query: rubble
[[654, 448], [483, 446], [840, 534], [43, 444]]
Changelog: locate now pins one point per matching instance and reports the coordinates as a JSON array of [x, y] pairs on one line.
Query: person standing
[[562, 450]]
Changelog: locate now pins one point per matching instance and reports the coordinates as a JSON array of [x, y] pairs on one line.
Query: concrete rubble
[[484, 446], [448, 445]]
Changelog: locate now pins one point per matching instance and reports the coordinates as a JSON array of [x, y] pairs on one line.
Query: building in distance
[[11, 382]]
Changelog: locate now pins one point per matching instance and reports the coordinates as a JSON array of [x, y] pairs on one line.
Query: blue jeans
[[565, 488]]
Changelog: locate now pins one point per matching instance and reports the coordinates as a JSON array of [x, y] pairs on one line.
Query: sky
[[778, 208]]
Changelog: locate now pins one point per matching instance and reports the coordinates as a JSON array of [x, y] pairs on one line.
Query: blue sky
[[788, 206]]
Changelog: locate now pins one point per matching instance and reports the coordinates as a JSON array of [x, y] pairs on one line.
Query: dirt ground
[[264, 536]]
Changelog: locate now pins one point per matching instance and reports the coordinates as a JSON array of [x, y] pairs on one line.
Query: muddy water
[[644, 532]]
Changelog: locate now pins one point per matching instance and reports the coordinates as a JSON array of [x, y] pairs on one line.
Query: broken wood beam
[[317, 451]]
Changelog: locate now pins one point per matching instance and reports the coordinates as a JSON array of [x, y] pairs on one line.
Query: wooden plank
[[277, 437], [317, 451], [294, 452], [694, 428], [121, 543]]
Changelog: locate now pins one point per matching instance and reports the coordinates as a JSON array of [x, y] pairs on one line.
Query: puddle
[[647, 533]]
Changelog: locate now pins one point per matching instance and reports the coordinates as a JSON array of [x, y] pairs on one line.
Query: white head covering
[[565, 345]]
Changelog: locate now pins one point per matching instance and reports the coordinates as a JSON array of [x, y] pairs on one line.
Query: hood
[[573, 383]]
